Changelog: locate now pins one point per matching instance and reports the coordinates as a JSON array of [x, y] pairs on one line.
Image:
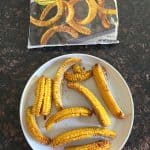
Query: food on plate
[[39, 94], [97, 106], [42, 100], [105, 92], [67, 113], [46, 10], [81, 133], [58, 80], [33, 128], [77, 68], [99, 145], [41, 23], [75, 77], [46, 106], [60, 28]]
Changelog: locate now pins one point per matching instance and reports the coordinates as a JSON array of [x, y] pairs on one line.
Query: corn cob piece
[[60, 28], [99, 145], [97, 106], [74, 77], [70, 20], [39, 95], [33, 128], [67, 113], [106, 93], [81, 133], [105, 22], [77, 68], [58, 80], [46, 10], [46, 107]]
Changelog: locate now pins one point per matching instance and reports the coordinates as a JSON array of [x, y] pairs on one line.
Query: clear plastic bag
[[91, 22]]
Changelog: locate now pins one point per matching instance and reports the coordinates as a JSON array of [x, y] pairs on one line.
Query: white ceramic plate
[[117, 85]]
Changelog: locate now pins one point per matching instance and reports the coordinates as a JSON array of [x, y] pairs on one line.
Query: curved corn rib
[[99, 145], [67, 113], [39, 96], [105, 92], [77, 68], [46, 107], [33, 128], [60, 28], [52, 20], [98, 108], [81, 133], [72, 23], [74, 77], [91, 13], [58, 80]]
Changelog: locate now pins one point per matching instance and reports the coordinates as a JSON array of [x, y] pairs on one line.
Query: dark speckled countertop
[[131, 57]]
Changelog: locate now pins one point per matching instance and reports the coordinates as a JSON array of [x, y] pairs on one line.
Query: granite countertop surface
[[17, 63]]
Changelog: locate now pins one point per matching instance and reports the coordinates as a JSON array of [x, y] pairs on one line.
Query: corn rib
[[58, 80], [77, 68], [46, 10], [60, 28], [74, 77], [46, 107], [81, 133], [106, 93], [98, 108], [33, 128], [67, 113], [39, 96], [99, 145]]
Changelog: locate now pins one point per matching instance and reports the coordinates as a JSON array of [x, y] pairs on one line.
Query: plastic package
[[72, 22]]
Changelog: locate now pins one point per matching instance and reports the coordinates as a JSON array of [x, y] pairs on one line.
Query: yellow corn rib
[[41, 23], [102, 13], [33, 128], [99, 145], [58, 80], [70, 20], [106, 93], [67, 113], [81, 133], [91, 13], [46, 10], [97, 106], [39, 96], [46, 107], [74, 77], [77, 68]]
